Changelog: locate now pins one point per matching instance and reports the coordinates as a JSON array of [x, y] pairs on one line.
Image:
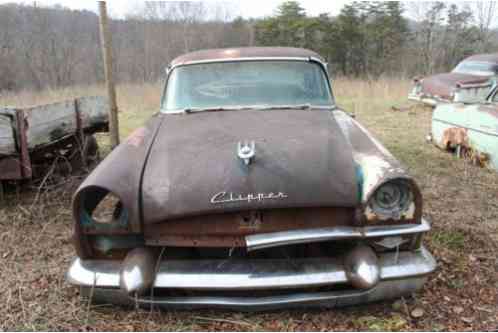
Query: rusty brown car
[[474, 75], [249, 190]]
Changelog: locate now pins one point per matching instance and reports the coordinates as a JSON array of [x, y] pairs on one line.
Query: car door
[[483, 128], [450, 122]]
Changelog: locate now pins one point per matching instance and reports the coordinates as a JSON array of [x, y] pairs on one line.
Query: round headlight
[[392, 198]]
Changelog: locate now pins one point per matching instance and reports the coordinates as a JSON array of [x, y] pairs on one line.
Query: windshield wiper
[[283, 107], [259, 107], [306, 106], [216, 108]]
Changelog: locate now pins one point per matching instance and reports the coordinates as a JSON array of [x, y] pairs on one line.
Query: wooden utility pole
[[105, 41]]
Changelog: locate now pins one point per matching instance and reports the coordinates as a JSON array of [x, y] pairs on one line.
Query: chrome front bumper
[[400, 274], [431, 101]]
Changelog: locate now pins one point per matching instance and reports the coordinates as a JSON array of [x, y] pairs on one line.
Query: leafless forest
[[54, 47]]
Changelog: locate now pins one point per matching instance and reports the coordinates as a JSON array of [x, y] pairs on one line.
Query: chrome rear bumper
[[400, 275], [431, 101]]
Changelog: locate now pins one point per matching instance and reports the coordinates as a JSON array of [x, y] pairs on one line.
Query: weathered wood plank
[[7, 134], [94, 111], [48, 123]]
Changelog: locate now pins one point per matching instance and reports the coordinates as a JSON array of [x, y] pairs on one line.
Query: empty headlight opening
[[101, 208]]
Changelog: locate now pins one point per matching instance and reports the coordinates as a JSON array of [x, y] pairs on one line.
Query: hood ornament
[[246, 151]]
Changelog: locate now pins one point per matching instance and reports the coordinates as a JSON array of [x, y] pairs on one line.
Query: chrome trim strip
[[262, 241], [495, 134], [209, 61], [426, 100], [384, 290], [247, 274]]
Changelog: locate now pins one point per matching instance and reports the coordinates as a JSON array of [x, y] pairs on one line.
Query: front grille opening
[[309, 250], [163, 293]]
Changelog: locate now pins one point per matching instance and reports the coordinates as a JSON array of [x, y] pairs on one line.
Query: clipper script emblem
[[226, 197]]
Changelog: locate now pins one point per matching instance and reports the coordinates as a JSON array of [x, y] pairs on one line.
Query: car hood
[[442, 85], [302, 159]]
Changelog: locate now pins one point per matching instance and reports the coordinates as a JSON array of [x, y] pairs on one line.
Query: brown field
[[461, 201]]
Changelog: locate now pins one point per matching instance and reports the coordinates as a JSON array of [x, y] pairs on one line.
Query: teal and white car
[[469, 129]]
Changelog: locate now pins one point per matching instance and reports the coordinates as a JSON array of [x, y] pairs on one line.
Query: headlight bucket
[[101, 218], [393, 200], [102, 209]]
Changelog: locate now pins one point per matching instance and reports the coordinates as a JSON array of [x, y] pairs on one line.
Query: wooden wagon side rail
[[25, 132]]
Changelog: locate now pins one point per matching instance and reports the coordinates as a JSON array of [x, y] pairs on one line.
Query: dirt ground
[[460, 200]]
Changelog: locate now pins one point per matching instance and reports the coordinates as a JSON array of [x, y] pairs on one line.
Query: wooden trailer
[[35, 139]]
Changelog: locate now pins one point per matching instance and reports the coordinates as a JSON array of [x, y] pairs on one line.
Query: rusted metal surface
[[471, 131], [244, 52], [183, 183], [229, 229], [11, 168], [376, 166], [300, 159], [120, 172], [16, 166], [455, 136], [444, 87], [26, 171]]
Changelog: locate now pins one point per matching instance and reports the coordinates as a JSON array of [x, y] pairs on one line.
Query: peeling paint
[[471, 131], [136, 138], [376, 166], [409, 213], [455, 136]]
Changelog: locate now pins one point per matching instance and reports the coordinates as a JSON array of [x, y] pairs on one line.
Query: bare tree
[[430, 17], [485, 13]]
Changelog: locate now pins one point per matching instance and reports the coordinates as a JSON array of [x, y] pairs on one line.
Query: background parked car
[[473, 74], [470, 130]]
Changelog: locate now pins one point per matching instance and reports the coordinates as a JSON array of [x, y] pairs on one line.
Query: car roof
[[487, 57], [244, 53]]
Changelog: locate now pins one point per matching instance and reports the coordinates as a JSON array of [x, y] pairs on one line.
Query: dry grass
[[460, 200]]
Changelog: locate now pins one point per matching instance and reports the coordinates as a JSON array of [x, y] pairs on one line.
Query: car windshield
[[477, 68], [245, 84]]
